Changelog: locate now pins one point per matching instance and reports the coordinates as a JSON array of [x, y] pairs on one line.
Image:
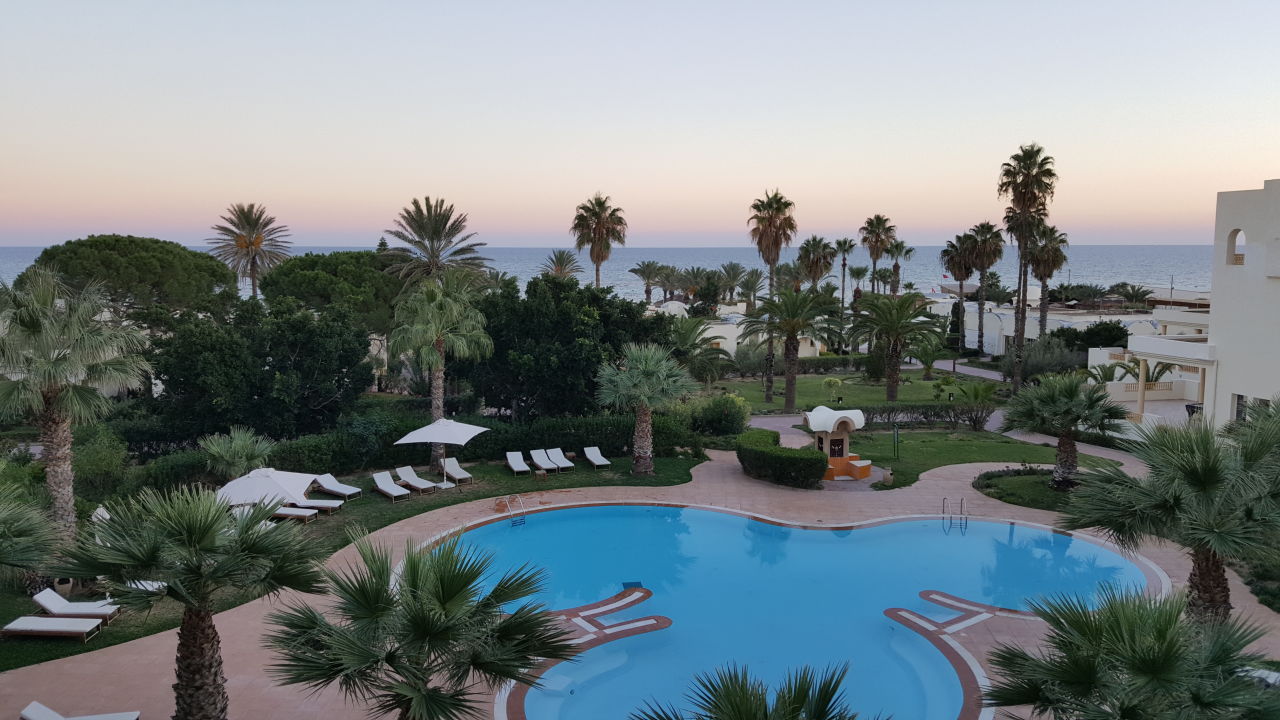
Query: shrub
[[328, 452], [167, 472], [1046, 357], [721, 415], [832, 363], [99, 463], [762, 458]]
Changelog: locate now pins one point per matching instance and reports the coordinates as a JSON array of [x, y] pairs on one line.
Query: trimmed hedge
[[167, 472], [831, 363], [926, 415], [762, 458]]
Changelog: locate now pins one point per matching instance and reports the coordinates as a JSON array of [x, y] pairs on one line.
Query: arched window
[[1235, 247]]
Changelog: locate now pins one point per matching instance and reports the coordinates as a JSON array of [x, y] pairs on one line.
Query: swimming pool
[[774, 597]]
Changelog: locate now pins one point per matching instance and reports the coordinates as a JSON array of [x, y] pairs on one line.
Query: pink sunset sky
[[150, 118]]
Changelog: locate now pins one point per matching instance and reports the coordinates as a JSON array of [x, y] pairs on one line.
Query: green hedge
[[762, 458], [168, 471], [929, 415], [831, 363]]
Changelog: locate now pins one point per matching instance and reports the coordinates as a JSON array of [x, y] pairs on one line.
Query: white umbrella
[[266, 485], [449, 432]]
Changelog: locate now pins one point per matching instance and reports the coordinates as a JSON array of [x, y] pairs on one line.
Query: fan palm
[[1214, 493], [59, 358], [899, 252], [789, 315], [751, 286], [876, 234], [650, 273], [645, 378], [957, 260], [235, 453], [988, 248], [731, 274], [733, 694], [563, 264], [815, 259], [1028, 179], [697, 351], [250, 242], [187, 546], [598, 226], [25, 535], [772, 226], [890, 325], [790, 276], [843, 247], [436, 239], [857, 274], [1048, 255], [1064, 406], [422, 640], [882, 278]]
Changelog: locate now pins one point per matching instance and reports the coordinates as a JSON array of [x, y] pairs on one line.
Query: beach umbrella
[[443, 432], [267, 485]]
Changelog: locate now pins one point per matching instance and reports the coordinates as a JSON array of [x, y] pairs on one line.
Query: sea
[[1184, 267]]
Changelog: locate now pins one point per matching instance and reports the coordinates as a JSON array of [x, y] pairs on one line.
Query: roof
[[824, 419]]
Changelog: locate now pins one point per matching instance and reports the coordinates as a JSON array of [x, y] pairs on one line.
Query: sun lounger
[[556, 456], [515, 461], [45, 626], [407, 477], [329, 484], [54, 604], [328, 506], [36, 711], [454, 471], [542, 462], [285, 512], [383, 483], [595, 457]]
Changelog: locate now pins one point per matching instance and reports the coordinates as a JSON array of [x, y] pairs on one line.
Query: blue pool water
[[774, 598]]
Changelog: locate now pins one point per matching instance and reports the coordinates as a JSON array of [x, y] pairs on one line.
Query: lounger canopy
[[268, 485]]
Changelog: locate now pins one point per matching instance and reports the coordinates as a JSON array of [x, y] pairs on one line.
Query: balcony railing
[[1236, 259], [1151, 386]]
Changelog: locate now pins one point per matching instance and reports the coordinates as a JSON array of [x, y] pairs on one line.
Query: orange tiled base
[[837, 467]]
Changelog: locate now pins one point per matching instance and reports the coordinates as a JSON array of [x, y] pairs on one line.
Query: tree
[[843, 247], [60, 357], [877, 233], [882, 278], [751, 286], [731, 275], [1214, 493], [698, 352], [597, 227], [1048, 256], [899, 252], [436, 239], [250, 242], [733, 694], [1028, 180], [772, 226], [25, 535], [889, 326], [235, 453], [857, 274], [988, 248], [815, 259], [562, 264], [422, 639], [1135, 294], [650, 273], [928, 352], [789, 315], [645, 378], [1105, 333], [1134, 656], [958, 260], [1063, 406], [356, 279], [188, 547]]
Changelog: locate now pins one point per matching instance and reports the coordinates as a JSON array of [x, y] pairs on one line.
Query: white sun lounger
[[595, 457], [542, 462], [44, 626], [556, 455], [329, 484], [409, 478], [329, 506], [454, 471], [383, 483], [515, 461], [36, 711], [54, 604], [285, 512]]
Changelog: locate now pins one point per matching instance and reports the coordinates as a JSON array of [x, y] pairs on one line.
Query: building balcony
[[1179, 317], [1181, 349]]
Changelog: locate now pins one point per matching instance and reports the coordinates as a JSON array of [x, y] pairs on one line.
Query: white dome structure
[[824, 419]]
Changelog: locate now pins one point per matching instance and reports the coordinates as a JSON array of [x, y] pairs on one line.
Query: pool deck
[[137, 675]]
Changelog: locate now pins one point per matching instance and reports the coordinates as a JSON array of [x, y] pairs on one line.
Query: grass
[[857, 392], [371, 511], [1029, 490]]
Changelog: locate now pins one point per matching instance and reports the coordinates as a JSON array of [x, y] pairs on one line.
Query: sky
[[150, 118]]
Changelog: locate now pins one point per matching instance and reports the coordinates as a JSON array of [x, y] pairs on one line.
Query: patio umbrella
[[266, 485], [444, 432]]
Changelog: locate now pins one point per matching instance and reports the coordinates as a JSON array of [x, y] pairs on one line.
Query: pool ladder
[[958, 520], [512, 502]]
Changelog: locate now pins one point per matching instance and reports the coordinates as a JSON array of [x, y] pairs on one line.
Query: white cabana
[[824, 419], [267, 485]]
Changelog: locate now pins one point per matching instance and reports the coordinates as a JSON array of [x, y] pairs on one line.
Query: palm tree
[[437, 239], [188, 547], [857, 274], [876, 234], [697, 351], [882, 278], [436, 322], [773, 225], [235, 453], [789, 315], [669, 281], [815, 259], [598, 226], [650, 273], [1134, 656], [751, 286], [250, 242], [60, 357], [957, 260], [733, 694], [899, 252], [789, 276], [988, 248], [25, 535], [1028, 180], [563, 264], [890, 325], [844, 246], [1213, 493], [1048, 255], [647, 377], [1135, 294], [731, 274], [420, 640], [1063, 406]]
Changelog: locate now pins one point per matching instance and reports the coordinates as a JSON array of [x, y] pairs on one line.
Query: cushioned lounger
[[556, 455], [454, 471], [542, 462], [293, 513], [54, 604], [595, 457], [36, 711], [43, 626], [328, 483], [383, 483], [329, 506], [516, 462], [407, 477]]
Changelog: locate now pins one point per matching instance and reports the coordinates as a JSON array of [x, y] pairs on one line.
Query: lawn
[[371, 511], [1030, 490], [856, 391]]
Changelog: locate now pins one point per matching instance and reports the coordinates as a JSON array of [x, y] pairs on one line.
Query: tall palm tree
[[815, 259], [1214, 493], [439, 321], [1048, 256], [789, 276], [598, 226], [733, 694], [731, 274], [563, 264], [882, 278], [751, 286], [957, 260], [1134, 656], [876, 234], [891, 325], [843, 247], [235, 453], [669, 281], [436, 239], [697, 351], [645, 378], [857, 274], [899, 252], [789, 315], [60, 357], [1028, 179], [1064, 406], [188, 547], [422, 639], [250, 242], [772, 226], [650, 273], [988, 248], [26, 537]]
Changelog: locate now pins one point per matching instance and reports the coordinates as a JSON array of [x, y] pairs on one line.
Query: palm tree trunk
[[200, 692], [1067, 462], [897, 277], [55, 438], [959, 340], [437, 398], [253, 277], [1019, 320], [597, 274], [768, 353], [1210, 596], [982, 306], [874, 263], [791, 366], [648, 294], [892, 371], [642, 442], [1044, 307], [844, 274]]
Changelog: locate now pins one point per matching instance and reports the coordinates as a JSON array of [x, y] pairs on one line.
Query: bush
[[99, 461], [1105, 333], [167, 472], [721, 415], [762, 458], [323, 453], [948, 415], [1046, 357], [832, 363]]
